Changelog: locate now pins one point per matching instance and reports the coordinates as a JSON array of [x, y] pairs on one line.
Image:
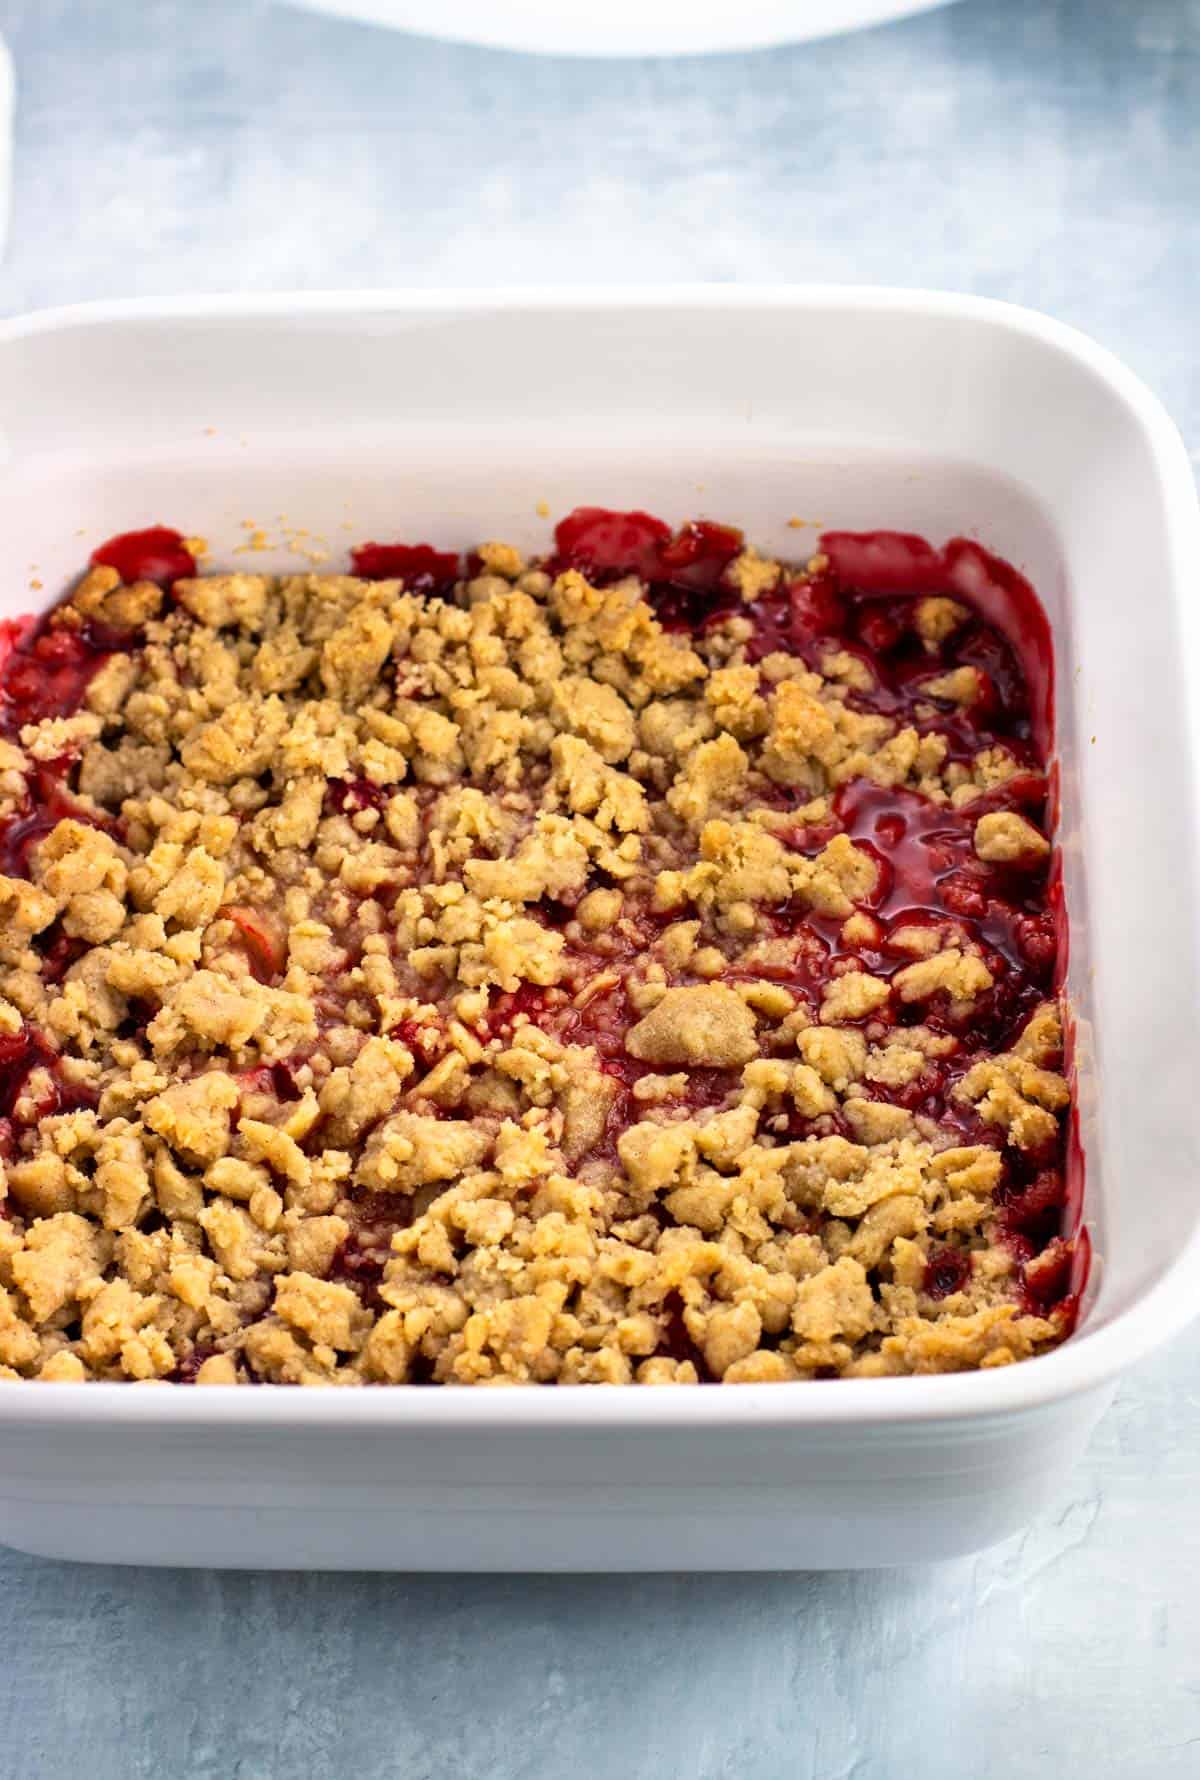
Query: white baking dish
[[449, 418]]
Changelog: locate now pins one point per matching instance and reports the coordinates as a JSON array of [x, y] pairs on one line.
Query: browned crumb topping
[[489, 989]]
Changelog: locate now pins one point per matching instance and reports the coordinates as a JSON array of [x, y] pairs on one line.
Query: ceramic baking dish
[[325, 420]]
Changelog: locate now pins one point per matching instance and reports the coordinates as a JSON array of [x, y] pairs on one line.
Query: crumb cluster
[[544, 973]]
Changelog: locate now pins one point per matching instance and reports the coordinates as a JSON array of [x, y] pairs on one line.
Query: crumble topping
[[633, 966]]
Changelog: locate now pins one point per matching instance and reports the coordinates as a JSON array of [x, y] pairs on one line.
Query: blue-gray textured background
[[1041, 150]]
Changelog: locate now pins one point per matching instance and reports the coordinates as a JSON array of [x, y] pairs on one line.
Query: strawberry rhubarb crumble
[[633, 966]]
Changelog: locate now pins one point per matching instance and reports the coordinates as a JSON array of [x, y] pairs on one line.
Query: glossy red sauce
[[608, 545], [45, 672], [683, 569], [422, 568], [930, 875], [883, 562], [155, 554]]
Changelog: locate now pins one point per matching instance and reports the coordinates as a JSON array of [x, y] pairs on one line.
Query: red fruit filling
[[45, 672], [156, 554], [265, 947], [859, 606], [422, 568], [48, 801], [346, 797], [947, 1270]]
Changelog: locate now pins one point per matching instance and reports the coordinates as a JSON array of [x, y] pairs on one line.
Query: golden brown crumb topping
[[508, 983]]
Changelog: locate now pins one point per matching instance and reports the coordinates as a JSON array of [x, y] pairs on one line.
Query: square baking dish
[[321, 421]]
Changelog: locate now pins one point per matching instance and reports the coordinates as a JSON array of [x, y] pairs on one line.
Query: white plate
[[625, 27]]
